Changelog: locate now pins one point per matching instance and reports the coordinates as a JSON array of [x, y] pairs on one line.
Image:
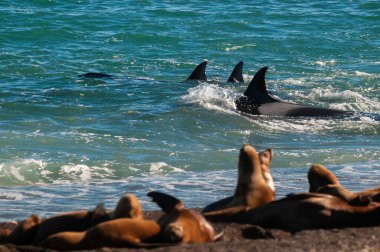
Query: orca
[[257, 101], [95, 75], [199, 72], [237, 73]]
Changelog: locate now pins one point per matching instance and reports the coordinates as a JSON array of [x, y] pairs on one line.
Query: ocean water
[[69, 143]]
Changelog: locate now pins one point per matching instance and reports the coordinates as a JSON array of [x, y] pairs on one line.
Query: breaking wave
[[213, 97]]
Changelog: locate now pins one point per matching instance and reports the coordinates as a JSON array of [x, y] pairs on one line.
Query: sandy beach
[[246, 237]]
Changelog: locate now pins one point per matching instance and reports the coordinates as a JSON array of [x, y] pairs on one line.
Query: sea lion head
[[265, 160], [179, 224], [248, 163], [25, 231], [320, 176], [128, 207], [252, 188]]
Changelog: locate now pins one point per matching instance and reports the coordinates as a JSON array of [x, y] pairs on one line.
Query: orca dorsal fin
[[199, 72], [257, 89], [95, 75], [237, 73]]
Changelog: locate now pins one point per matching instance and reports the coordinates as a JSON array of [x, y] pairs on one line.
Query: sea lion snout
[[173, 233], [247, 150]]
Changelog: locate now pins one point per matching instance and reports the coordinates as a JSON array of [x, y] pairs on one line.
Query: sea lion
[[23, 233], [265, 160], [122, 232], [182, 225], [318, 176], [254, 186], [309, 211], [127, 207], [322, 180]]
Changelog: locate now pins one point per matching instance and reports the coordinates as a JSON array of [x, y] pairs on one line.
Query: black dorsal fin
[[167, 202], [257, 89], [199, 72], [237, 73], [95, 75]]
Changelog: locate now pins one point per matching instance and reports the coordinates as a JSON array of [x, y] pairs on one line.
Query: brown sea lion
[[122, 232], [128, 207], [23, 233], [254, 187], [265, 160], [179, 224], [309, 211], [322, 180], [319, 176]]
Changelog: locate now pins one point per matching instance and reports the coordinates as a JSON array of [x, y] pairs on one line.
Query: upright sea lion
[[179, 224], [127, 207], [23, 233], [309, 211], [265, 160], [322, 180], [254, 186]]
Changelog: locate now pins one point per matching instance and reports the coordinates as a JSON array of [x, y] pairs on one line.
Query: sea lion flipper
[[218, 236], [218, 205], [199, 72], [167, 202], [237, 73]]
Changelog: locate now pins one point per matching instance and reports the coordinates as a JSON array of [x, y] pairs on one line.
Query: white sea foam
[[345, 100], [24, 171], [6, 195], [211, 96], [325, 62], [237, 47], [84, 172], [295, 81], [364, 74], [163, 167]]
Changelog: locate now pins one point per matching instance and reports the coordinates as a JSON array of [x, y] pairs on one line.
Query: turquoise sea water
[[68, 143]]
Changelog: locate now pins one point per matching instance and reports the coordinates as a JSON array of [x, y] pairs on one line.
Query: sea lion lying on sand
[[322, 180], [179, 224], [23, 233], [122, 232], [309, 211], [254, 187], [127, 207]]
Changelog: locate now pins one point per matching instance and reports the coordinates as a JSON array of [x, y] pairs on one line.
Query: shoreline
[[246, 237]]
